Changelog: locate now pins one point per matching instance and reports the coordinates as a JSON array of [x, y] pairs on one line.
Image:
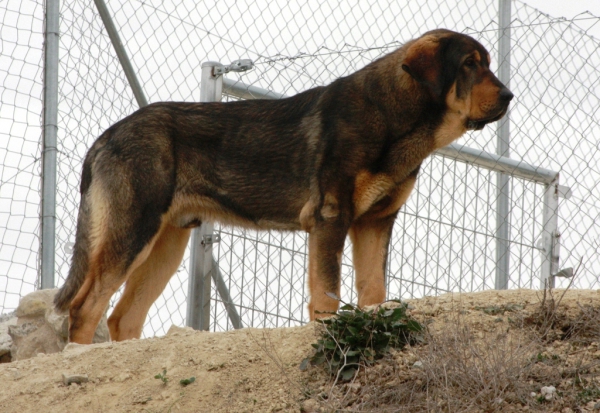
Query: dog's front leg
[[325, 247], [370, 242]]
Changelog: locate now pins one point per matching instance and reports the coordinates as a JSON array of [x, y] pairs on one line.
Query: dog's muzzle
[[504, 98]]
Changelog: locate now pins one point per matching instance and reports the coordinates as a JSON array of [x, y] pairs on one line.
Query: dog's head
[[455, 69]]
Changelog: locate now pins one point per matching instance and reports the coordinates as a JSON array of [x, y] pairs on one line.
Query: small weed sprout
[[162, 376], [358, 336]]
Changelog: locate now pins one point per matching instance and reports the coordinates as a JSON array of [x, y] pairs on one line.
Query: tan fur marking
[[102, 280], [484, 99], [399, 197], [368, 189], [455, 120], [369, 243], [147, 282], [206, 209], [307, 216], [99, 215], [330, 207]]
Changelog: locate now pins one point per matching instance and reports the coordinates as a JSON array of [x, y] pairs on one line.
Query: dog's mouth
[[478, 124]]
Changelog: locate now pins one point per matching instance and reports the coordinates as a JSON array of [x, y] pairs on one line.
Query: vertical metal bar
[[550, 235], [48, 226], [503, 149], [113, 34], [201, 259]]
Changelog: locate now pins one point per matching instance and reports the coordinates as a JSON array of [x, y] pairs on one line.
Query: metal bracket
[[564, 192], [542, 242], [68, 247], [237, 66], [208, 239], [564, 273]]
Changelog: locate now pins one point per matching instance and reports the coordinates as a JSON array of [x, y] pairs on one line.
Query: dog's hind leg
[[120, 240], [147, 282], [108, 269]]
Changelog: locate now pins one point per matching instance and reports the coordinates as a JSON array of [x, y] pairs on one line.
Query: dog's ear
[[422, 63]]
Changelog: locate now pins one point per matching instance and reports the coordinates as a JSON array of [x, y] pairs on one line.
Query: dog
[[332, 161]]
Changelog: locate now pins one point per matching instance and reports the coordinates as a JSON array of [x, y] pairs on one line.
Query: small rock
[[6, 320], [548, 392], [74, 378], [310, 406], [36, 303], [533, 394], [354, 387], [122, 377], [40, 329], [418, 365], [176, 330]]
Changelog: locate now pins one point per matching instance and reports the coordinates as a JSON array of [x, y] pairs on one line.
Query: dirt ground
[[255, 370]]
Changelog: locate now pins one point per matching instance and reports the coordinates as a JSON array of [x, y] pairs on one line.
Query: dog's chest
[[369, 189], [378, 195]]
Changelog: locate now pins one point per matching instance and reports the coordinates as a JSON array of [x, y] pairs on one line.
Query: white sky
[[570, 9], [566, 8], [13, 125]]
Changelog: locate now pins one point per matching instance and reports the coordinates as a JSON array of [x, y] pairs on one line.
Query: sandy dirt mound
[[255, 370]]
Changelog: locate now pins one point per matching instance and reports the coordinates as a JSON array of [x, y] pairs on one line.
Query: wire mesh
[[21, 86], [444, 238]]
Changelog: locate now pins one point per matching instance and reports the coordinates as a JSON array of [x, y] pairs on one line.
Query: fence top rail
[[477, 157]]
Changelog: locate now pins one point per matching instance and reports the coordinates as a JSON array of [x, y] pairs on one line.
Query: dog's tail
[[79, 263]]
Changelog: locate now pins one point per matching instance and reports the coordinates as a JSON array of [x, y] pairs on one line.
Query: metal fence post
[[115, 39], [550, 243], [503, 146], [201, 258], [48, 227]]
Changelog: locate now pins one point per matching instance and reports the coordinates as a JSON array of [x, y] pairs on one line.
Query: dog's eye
[[470, 62]]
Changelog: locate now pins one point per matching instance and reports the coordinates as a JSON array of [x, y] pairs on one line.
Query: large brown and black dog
[[332, 161]]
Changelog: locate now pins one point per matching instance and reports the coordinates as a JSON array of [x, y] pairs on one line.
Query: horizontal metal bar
[[513, 167], [248, 92]]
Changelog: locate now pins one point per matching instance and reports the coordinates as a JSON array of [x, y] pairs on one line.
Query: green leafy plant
[[588, 394], [162, 376], [356, 336], [185, 382]]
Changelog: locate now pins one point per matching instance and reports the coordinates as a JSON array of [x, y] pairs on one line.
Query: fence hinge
[[208, 239], [237, 66]]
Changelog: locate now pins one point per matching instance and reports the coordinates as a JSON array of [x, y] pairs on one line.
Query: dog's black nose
[[506, 95]]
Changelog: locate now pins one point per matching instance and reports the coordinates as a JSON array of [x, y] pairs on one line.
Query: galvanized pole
[[113, 34], [550, 243], [201, 258], [48, 226], [503, 149]]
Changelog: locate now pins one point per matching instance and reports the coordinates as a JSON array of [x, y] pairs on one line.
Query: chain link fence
[[445, 236], [21, 69]]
